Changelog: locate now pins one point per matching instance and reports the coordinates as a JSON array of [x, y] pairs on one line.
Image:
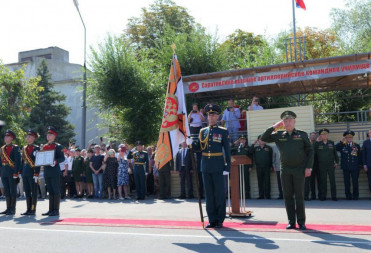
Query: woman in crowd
[[123, 173], [88, 175], [110, 173], [77, 172]]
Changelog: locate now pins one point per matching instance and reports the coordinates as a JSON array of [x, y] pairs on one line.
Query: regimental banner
[[265, 78]]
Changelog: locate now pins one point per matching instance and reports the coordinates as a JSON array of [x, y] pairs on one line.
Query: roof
[[359, 80]]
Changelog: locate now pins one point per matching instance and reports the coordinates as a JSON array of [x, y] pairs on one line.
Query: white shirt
[[63, 164], [257, 107], [197, 121], [69, 163]]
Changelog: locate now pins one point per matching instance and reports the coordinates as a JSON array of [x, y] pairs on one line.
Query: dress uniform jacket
[[141, 166], [28, 161], [10, 165], [51, 174], [351, 157]]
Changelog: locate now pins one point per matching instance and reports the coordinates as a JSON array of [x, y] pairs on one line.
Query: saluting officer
[[296, 154], [213, 139], [263, 158], [141, 166], [10, 167], [351, 160], [30, 172], [242, 148], [327, 157], [52, 172]]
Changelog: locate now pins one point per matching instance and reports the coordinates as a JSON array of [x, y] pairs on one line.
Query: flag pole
[[294, 31], [194, 168]]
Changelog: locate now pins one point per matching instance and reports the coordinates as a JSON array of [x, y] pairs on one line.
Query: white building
[[67, 79]]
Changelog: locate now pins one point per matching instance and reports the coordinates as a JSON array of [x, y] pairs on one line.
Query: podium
[[237, 186]]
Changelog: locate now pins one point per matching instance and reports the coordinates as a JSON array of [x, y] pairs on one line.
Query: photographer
[[231, 117], [195, 119], [255, 105]]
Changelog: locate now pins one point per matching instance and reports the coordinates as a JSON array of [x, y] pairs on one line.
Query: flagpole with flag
[[299, 4], [174, 127]]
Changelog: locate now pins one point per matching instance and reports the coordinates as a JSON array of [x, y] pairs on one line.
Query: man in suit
[[184, 166], [351, 160], [366, 155]]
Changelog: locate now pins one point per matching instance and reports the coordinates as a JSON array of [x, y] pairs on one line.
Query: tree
[[353, 26], [130, 93], [50, 110], [18, 96], [144, 31]]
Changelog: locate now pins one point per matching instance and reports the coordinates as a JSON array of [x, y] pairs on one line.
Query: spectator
[[255, 104], [184, 166], [123, 172], [110, 173], [195, 119], [63, 166], [88, 175], [77, 171], [230, 119], [96, 165]]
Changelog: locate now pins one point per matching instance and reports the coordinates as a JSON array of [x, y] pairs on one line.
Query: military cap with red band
[[51, 130], [10, 133], [32, 133]]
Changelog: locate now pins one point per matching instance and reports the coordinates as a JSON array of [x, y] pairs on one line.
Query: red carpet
[[197, 225]]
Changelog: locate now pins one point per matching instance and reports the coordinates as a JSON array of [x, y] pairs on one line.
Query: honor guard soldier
[[351, 160], [213, 139], [296, 154], [10, 167], [30, 172], [241, 148], [327, 158], [263, 158], [52, 172], [141, 166]]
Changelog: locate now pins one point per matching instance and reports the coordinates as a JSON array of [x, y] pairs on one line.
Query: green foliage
[[353, 27], [50, 110], [17, 97], [127, 90]]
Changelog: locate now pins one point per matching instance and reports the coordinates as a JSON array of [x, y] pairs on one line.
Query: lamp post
[[83, 132]]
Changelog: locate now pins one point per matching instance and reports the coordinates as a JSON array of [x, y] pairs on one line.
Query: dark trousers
[[369, 178], [278, 175], [264, 182], [325, 170], [293, 186], [215, 196], [30, 187], [195, 131], [315, 179], [200, 180], [10, 186], [53, 185], [185, 175], [140, 181], [63, 182], [354, 174], [165, 182], [247, 180]]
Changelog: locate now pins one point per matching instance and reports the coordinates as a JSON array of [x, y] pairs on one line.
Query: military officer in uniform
[[327, 158], [241, 148], [351, 160], [10, 164], [141, 167], [263, 158], [52, 172], [296, 154], [30, 172], [213, 141]]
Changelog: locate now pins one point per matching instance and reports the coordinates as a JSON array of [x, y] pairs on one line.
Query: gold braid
[[204, 142]]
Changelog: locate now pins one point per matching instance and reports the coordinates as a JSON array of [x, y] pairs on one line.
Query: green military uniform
[[30, 174], [87, 171], [244, 150], [141, 167], [327, 157], [213, 139], [10, 164], [263, 158], [78, 168], [296, 154], [52, 174]]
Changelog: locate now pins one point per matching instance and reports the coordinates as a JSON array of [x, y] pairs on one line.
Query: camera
[[194, 111]]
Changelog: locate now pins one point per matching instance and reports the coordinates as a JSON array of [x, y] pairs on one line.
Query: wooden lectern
[[235, 185]]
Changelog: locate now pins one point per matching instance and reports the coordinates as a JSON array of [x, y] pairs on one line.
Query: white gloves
[[35, 178], [225, 173]]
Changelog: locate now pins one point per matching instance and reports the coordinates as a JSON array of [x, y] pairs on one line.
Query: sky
[[33, 24]]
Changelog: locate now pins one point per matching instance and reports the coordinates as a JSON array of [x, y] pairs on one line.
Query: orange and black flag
[[174, 127]]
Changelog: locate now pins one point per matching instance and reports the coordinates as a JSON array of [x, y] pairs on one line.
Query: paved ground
[[40, 234]]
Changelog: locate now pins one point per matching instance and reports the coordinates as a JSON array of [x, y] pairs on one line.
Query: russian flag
[[300, 4]]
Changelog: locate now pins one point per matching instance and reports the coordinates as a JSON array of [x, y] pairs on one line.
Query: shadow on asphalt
[[229, 235], [339, 240]]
